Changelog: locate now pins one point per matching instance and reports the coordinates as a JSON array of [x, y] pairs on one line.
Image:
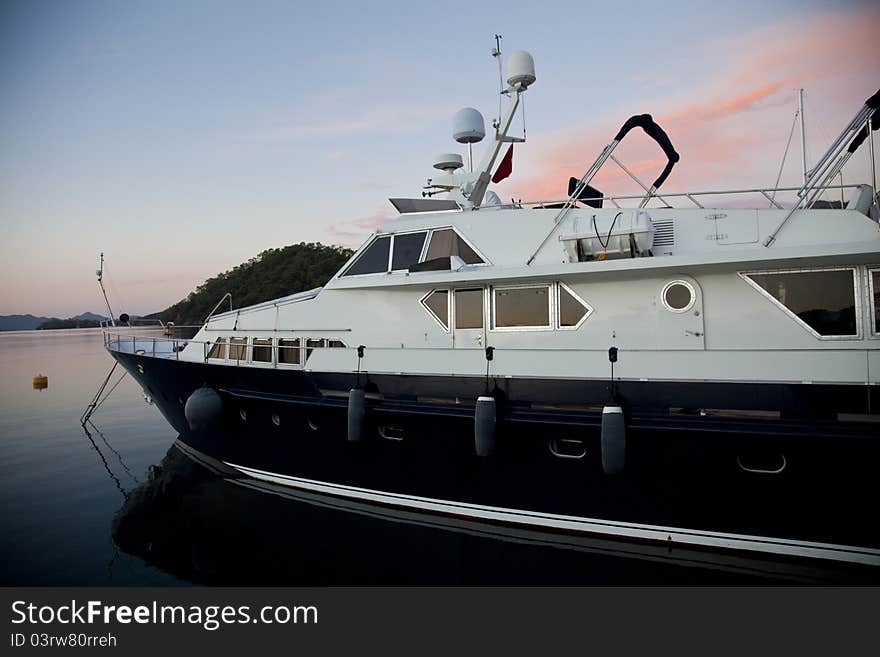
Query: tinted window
[[237, 348], [446, 242], [571, 310], [823, 300], [407, 249], [373, 260], [262, 350], [525, 306], [468, 309], [312, 344], [438, 303], [218, 349], [288, 351], [678, 296]]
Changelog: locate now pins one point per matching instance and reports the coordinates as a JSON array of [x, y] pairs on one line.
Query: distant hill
[[92, 317], [272, 274], [30, 322], [20, 322], [73, 322]]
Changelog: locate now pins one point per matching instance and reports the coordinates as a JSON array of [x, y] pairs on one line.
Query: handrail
[[222, 299], [129, 338], [687, 195]]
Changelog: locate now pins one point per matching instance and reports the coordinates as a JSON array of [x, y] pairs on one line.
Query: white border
[[669, 535], [746, 276], [686, 284], [433, 314], [530, 286], [559, 287]]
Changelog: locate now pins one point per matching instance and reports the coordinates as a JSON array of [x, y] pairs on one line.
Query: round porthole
[[678, 296], [312, 424], [276, 419], [140, 369], [243, 415]]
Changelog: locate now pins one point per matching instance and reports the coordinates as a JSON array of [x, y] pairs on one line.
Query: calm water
[[121, 505]]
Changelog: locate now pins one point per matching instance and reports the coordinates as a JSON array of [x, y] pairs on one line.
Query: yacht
[[651, 368]]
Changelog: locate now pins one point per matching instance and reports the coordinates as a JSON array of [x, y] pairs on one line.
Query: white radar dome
[[468, 126], [520, 69], [448, 162]]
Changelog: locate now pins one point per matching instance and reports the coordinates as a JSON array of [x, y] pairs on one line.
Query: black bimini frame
[[645, 122]]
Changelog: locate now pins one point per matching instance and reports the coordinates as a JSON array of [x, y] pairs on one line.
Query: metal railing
[[299, 353], [690, 196], [225, 351]]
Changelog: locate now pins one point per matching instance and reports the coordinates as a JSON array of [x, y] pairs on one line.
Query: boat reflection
[[200, 521]]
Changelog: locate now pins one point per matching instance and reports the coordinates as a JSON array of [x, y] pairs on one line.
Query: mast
[[803, 138], [100, 274]]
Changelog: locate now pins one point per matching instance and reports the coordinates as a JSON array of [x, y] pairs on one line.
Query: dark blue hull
[[684, 470]]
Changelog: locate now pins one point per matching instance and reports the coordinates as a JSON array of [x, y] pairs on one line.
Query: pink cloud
[[730, 129], [352, 233]]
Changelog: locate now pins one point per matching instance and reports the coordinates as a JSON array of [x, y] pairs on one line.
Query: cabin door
[[469, 318]]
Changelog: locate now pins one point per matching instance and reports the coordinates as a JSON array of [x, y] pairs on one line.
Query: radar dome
[[448, 162], [468, 126], [520, 69]]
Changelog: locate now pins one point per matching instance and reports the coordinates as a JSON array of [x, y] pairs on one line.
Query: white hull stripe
[[784, 546]]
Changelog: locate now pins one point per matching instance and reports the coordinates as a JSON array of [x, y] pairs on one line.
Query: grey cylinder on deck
[[613, 440], [357, 408], [485, 426], [203, 408]]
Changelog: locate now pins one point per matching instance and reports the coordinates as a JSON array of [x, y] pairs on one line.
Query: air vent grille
[[664, 233]]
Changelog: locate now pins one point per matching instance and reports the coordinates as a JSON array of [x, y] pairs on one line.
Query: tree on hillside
[[273, 273]]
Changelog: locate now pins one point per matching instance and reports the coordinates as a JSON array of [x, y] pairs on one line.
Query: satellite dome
[[448, 162], [468, 126], [520, 69]]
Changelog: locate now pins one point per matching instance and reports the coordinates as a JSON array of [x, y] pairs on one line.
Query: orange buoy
[[41, 382]]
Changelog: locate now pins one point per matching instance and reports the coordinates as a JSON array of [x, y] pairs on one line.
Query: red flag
[[505, 168]]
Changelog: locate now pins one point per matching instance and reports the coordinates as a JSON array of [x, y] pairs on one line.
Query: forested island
[[271, 274]]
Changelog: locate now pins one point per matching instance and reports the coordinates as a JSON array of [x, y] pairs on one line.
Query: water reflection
[[197, 520]]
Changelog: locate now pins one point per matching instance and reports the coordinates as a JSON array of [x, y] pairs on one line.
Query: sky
[[183, 138]]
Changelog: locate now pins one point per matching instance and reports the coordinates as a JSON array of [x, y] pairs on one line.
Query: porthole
[[312, 424], [242, 414], [140, 369], [276, 419], [678, 296]]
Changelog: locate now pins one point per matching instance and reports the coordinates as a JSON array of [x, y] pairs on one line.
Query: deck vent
[[664, 233]]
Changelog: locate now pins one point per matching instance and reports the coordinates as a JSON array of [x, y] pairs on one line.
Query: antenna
[[100, 273], [496, 53]]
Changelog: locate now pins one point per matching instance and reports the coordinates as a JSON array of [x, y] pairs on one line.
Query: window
[[446, 242], [262, 350], [572, 310], [407, 249], [678, 296], [288, 351], [312, 344], [437, 303], [237, 348], [875, 289], [823, 300], [218, 349], [468, 309], [373, 260], [522, 306], [336, 344]]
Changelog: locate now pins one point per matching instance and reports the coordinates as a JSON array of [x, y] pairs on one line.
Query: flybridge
[[468, 188]]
